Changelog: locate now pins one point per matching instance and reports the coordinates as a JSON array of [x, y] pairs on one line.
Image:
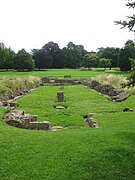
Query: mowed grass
[[79, 101], [70, 154], [59, 73]]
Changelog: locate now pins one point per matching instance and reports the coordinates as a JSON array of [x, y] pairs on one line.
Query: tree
[[8, 63], [23, 61], [132, 60], [3, 55], [73, 55], [110, 53], [6, 57], [130, 21], [52, 49], [104, 63], [49, 56], [131, 77], [90, 60], [128, 51], [42, 59]]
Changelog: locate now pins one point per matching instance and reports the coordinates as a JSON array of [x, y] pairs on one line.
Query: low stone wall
[[115, 95], [59, 82], [9, 104], [19, 119]]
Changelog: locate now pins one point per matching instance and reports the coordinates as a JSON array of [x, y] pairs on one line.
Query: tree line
[[71, 56]]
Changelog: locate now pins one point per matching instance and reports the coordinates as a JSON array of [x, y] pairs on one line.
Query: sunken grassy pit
[[107, 152]]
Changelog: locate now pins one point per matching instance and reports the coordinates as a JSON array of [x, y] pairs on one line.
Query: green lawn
[[106, 153], [79, 100], [59, 73]]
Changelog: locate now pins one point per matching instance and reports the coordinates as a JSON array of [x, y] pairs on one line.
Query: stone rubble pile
[[91, 122], [19, 119], [116, 95], [8, 104]]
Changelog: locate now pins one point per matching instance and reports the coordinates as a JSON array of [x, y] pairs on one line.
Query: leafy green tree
[[73, 55], [3, 55], [132, 60], [128, 51], [53, 53], [110, 53], [42, 58], [8, 63], [130, 21], [23, 61], [49, 56], [131, 77], [6, 57], [104, 63], [90, 60]]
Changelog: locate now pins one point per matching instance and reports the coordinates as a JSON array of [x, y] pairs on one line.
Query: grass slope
[[70, 154]]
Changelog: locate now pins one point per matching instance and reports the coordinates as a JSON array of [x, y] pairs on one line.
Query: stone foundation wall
[[115, 95], [19, 119]]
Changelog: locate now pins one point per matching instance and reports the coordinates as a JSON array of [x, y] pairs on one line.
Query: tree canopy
[[23, 61], [130, 21]]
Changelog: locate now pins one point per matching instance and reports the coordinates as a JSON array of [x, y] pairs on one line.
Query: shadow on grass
[[127, 136]]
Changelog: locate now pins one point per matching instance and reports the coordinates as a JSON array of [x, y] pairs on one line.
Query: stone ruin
[[91, 122], [60, 96], [19, 119], [115, 95], [9, 104], [59, 107], [128, 110]]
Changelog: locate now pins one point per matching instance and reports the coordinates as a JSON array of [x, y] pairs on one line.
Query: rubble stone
[[19, 119]]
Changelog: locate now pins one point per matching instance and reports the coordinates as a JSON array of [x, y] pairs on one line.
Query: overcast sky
[[32, 23]]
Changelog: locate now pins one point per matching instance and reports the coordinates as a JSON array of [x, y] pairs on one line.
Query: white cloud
[[32, 23]]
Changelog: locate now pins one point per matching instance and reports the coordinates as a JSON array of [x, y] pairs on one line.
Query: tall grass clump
[[119, 82], [17, 86], [130, 90], [113, 80]]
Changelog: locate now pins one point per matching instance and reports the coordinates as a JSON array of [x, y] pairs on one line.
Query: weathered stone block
[[59, 107], [40, 125], [26, 122], [18, 112], [34, 118], [60, 96], [45, 125], [33, 125], [5, 103], [13, 104]]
